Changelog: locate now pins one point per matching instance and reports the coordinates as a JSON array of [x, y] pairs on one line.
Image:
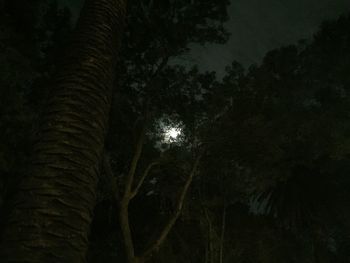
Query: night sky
[[258, 26]]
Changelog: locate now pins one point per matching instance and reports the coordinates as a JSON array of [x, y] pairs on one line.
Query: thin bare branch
[[164, 233], [142, 179], [134, 162], [222, 237]]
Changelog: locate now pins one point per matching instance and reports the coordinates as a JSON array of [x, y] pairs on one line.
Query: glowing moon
[[172, 134]]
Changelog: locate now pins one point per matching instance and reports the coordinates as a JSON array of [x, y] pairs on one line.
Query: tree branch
[[164, 233], [134, 162], [142, 179], [126, 197], [222, 236]]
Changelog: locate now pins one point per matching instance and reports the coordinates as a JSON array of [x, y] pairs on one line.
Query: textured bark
[[53, 208]]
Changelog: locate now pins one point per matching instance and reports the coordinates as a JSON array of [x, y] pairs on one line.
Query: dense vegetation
[[260, 171]]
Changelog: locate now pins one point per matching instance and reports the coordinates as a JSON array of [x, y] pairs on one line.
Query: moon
[[172, 134]]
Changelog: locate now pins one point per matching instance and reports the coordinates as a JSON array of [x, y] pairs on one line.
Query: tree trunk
[[210, 239], [53, 208], [222, 237]]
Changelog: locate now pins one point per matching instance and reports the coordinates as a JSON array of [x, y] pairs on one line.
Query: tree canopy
[[259, 171]]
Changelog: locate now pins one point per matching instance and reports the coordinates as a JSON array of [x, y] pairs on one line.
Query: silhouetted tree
[[52, 210]]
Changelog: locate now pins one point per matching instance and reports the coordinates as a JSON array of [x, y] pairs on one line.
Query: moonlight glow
[[172, 134]]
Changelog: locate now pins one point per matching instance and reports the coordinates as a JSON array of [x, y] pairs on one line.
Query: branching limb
[[164, 233], [126, 197], [134, 162], [142, 179]]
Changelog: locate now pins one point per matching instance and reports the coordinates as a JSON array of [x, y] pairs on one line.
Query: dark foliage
[[275, 136]]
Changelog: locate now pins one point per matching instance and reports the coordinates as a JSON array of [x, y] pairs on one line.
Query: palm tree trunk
[[52, 211]]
